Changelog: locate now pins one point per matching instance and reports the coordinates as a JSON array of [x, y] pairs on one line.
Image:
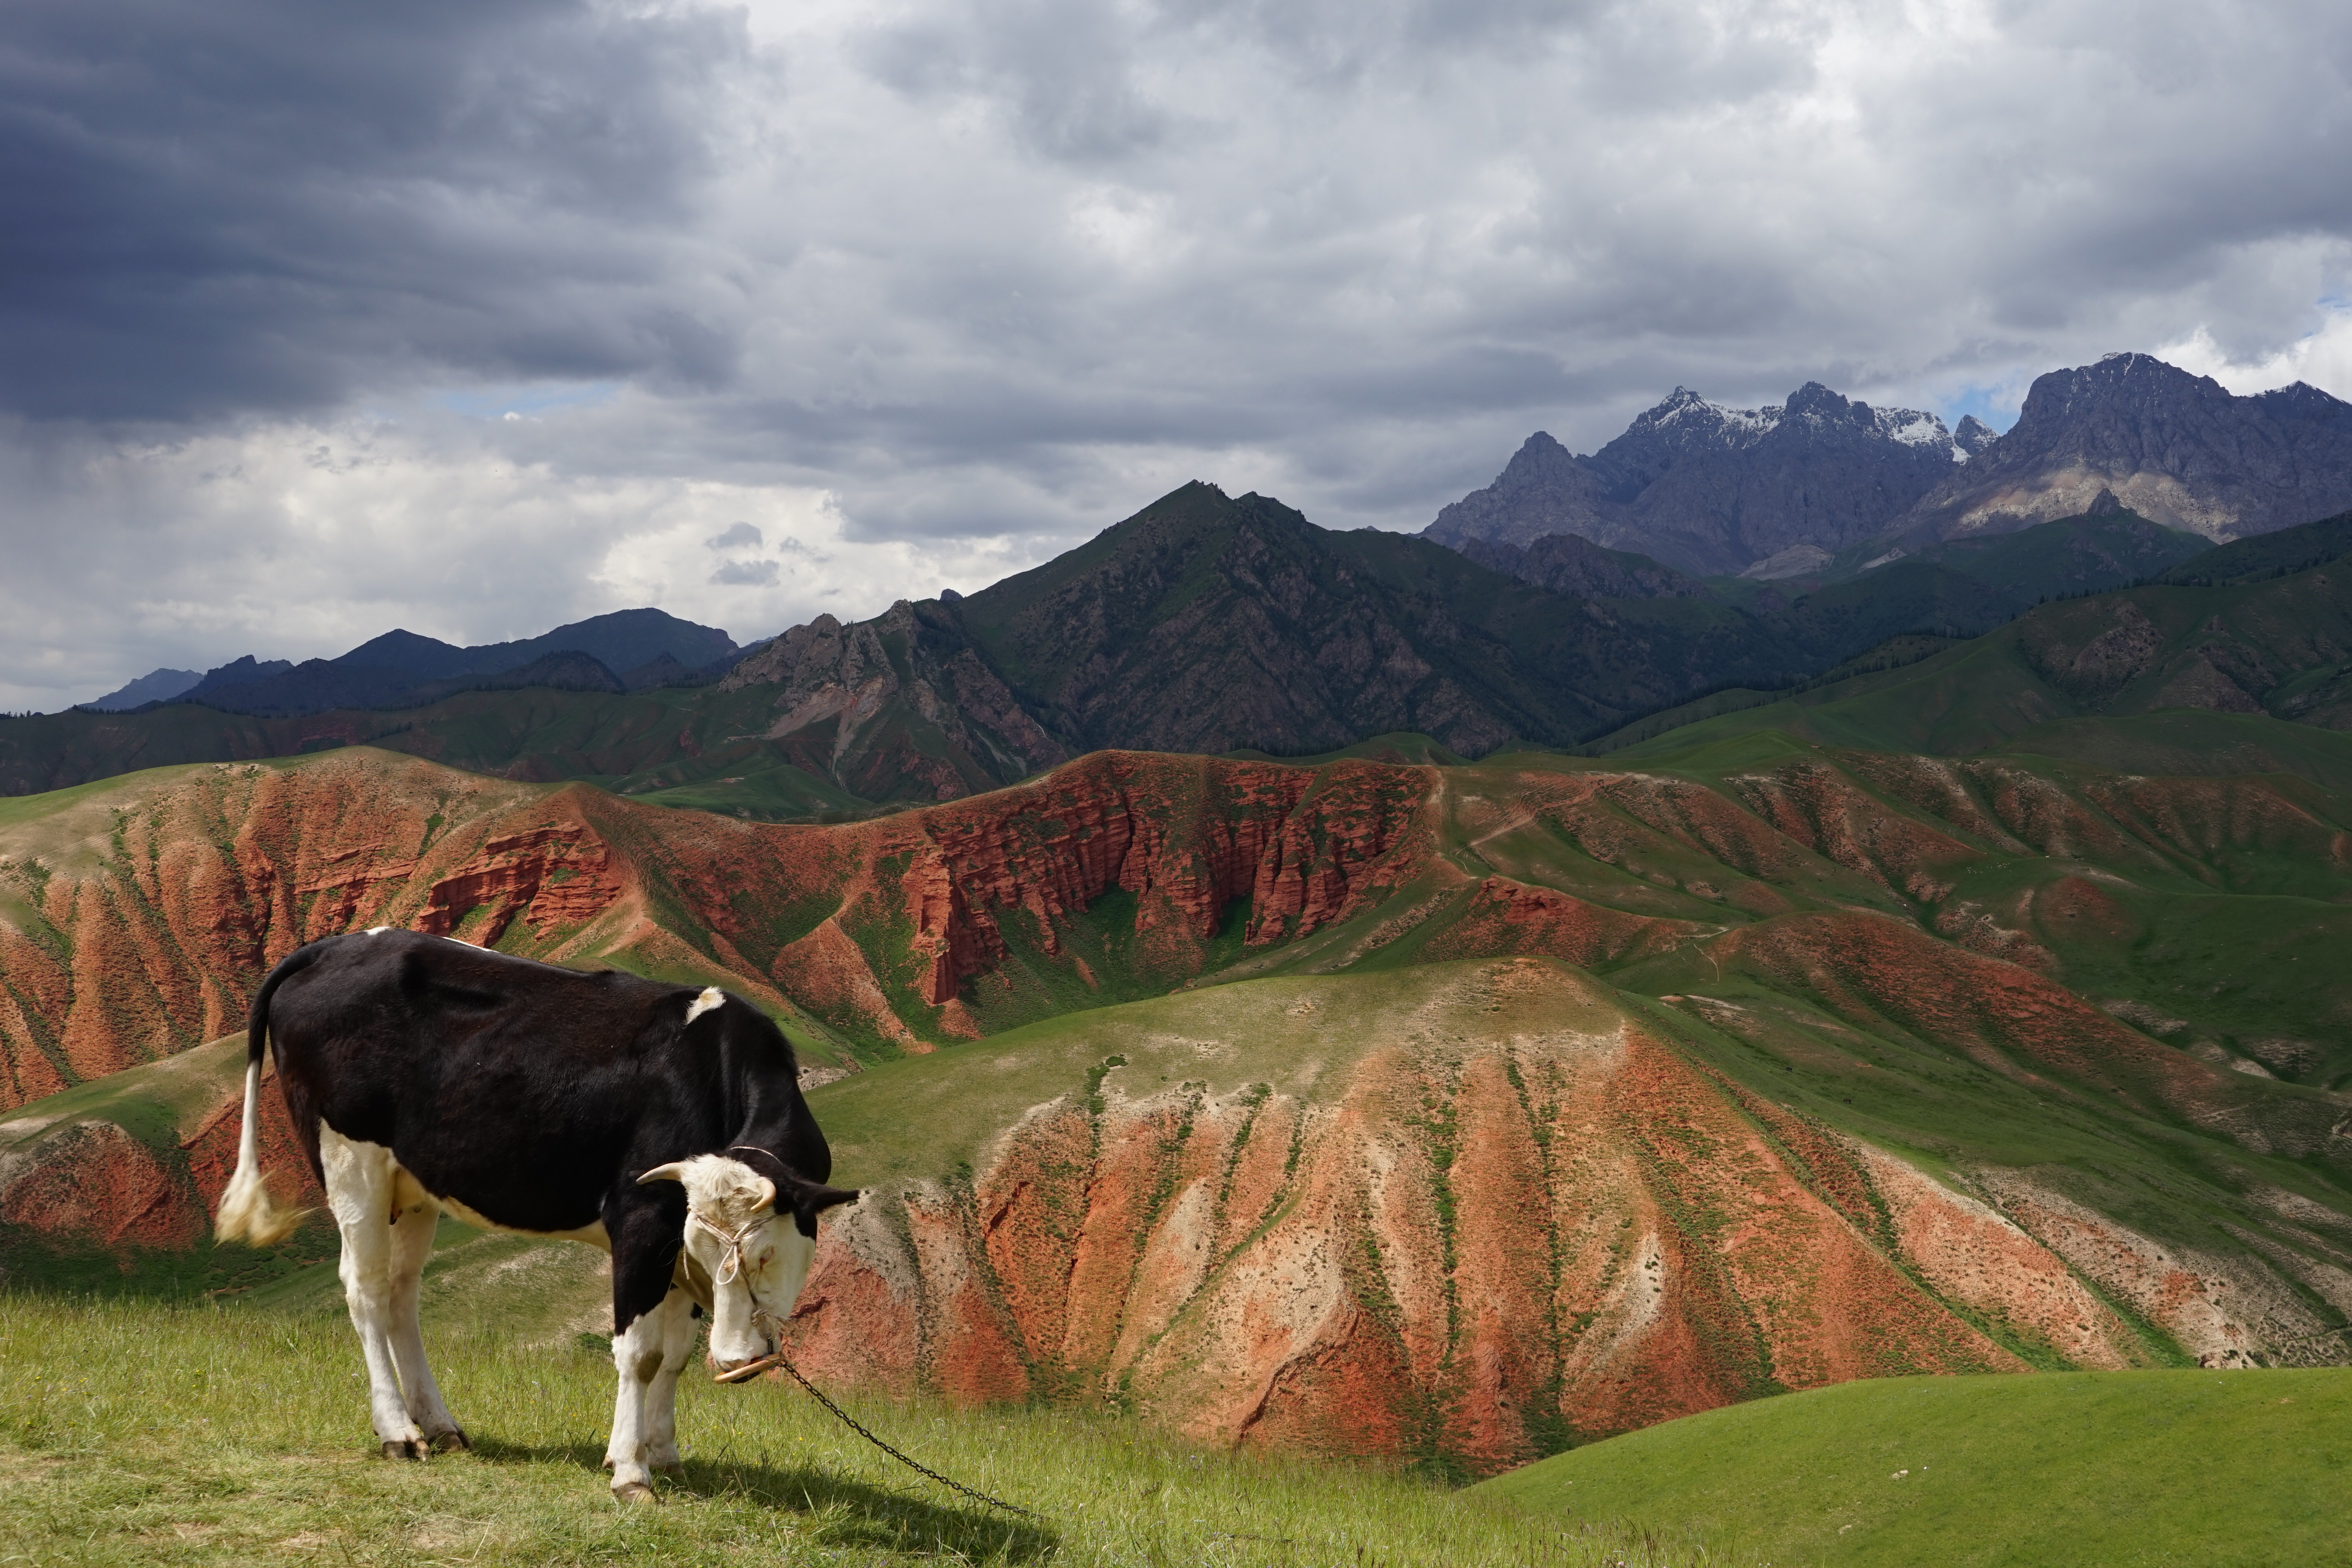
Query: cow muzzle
[[745, 1371], [742, 1369]]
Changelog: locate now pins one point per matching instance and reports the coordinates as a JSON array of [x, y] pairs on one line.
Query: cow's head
[[753, 1238]]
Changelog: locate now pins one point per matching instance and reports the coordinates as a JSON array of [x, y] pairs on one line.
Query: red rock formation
[[95, 1182], [1507, 917], [174, 899], [1821, 809], [557, 874], [1463, 1251]]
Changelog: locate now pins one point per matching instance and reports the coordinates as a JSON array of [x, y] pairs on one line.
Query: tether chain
[[851, 1422], [731, 1264]]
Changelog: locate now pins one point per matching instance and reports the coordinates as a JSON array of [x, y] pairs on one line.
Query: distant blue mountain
[[155, 686], [627, 650]]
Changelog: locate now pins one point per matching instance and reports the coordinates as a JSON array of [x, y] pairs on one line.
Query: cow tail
[[247, 1212]]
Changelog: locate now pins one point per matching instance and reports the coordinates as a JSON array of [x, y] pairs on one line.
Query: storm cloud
[[477, 318]]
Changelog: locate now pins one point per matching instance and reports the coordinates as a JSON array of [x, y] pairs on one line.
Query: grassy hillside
[[134, 1433], [693, 746], [2263, 625], [2221, 1470], [2050, 559]]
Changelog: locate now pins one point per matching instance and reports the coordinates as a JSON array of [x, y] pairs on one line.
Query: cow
[[660, 1123]]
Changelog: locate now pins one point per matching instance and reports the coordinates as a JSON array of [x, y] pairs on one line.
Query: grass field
[[2211, 1469], [134, 1432]]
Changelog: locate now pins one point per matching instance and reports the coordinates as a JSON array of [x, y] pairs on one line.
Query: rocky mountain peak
[[2176, 449], [1704, 488], [1814, 401], [1973, 438], [1538, 454]]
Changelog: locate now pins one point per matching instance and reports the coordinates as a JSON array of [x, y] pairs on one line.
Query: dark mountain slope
[[897, 707], [1726, 489], [2176, 449], [1571, 564], [1207, 622], [1544, 490], [155, 686]]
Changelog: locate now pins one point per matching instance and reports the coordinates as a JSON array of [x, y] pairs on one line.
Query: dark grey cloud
[[745, 575], [478, 318], [252, 205]]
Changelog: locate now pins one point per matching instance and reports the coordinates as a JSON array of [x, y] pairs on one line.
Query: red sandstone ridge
[[155, 913], [81, 1177], [92, 1182], [136, 920], [1508, 1215], [150, 933], [1188, 837]]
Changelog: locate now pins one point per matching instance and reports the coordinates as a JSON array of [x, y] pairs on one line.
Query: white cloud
[[300, 540], [2322, 357]]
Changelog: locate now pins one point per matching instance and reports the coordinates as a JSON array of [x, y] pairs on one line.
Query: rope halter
[[731, 1262]]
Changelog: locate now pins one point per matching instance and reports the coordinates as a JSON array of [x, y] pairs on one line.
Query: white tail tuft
[[247, 1212]]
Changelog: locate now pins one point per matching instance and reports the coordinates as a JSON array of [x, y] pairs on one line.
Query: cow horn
[[673, 1172]]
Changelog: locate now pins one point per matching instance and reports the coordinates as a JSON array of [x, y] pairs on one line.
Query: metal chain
[[851, 1422]]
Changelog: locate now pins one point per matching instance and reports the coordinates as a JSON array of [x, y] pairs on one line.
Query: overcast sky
[[476, 318]]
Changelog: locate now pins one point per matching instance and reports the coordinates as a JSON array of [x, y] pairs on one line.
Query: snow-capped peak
[[1739, 427], [1912, 427]]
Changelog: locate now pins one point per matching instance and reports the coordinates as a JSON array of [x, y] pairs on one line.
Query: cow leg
[[638, 1358], [359, 1195], [412, 1219], [677, 1314]]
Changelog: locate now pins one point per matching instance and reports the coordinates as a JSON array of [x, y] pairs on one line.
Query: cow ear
[[808, 1199], [673, 1172]]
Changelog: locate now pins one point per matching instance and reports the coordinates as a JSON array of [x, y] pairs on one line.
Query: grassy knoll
[[141, 1433], [2206, 1468]]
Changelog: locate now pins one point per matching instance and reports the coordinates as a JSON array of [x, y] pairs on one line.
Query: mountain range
[[1206, 622], [627, 650], [1778, 492], [1214, 624]]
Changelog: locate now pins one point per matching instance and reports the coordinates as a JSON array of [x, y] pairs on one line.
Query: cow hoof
[[404, 1448], [451, 1442], [636, 1491], [675, 1467]]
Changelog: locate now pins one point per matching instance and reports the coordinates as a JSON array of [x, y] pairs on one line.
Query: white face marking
[[726, 1199], [711, 997], [375, 931]]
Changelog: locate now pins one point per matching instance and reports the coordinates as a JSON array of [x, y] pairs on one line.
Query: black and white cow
[[661, 1123]]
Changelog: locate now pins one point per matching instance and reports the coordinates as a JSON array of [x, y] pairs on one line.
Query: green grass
[[2205, 1467], [149, 1434]]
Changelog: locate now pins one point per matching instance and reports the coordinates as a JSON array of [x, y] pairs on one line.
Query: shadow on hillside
[[841, 1511], [40, 1264]]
